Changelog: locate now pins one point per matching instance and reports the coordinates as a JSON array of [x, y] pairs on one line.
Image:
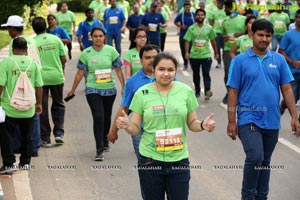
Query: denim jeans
[[117, 39], [275, 41], [101, 108], [162, 41], [258, 145], [206, 65], [155, 41], [220, 45], [182, 50], [296, 87], [36, 137], [57, 112], [136, 142], [158, 178], [7, 139]]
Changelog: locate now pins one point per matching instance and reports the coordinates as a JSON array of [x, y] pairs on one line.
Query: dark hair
[[19, 43], [148, 47], [97, 28], [166, 56], [248, 19], [200, 10], [39, 25], [51, 15], [262, 24], [228, 3], [297, 14], [134, 34], [88, 10], [187, 3]]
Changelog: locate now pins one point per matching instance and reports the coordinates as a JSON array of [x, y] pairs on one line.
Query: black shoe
[[106, 148], [45, 144], [197, 94], [35, 154], [8, 169], [99, 156], [70, 55], [218, 66], [225, 99], [23, 166], [59, 139], [208, 95]]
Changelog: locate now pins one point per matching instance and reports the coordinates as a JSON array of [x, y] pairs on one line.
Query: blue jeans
[[205, 63], [155, 41], [158, 178], [275, 41], [136, 142], [296, 87], [117, 39], [220, 45], [182, 50], [258, 145], [36, 137]]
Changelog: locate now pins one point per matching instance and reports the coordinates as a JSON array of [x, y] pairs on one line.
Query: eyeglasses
[[141, 37]]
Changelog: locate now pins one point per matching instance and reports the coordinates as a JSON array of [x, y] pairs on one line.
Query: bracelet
[[201, 125]]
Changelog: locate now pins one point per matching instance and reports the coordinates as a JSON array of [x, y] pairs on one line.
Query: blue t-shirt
[[59, 32], [85, 28], [136, 81], [187, 19], [290, 44], [113, 18], [258, 81], [134, 22], [153, 18]]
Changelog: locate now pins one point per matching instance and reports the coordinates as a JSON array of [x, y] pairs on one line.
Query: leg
[[108, 102], [44, 117], [36, 137], [226, 60], [163, 40], [178, 180], [27, 128], [274, 42], [206, 66], [58, 110], [220, 45], [17, 140], [118, 39], [7, 137], [252, 140], [109, 40], [70, 48], [182, 50], [195, 64], [270, 139], [295, 87]]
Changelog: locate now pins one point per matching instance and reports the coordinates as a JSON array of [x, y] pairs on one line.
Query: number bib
[[89, 36], [278, 24], [113, 20], [169, 139], [200, 44], [103, 76], [152, 27]]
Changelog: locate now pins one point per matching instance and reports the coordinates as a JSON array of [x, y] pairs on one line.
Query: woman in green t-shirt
[[244, 42], [99, 60], [165, 107], [131, 58]]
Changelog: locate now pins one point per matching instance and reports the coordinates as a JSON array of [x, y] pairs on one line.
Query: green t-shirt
[[100, 11], [232, 26], [9, 74], [65, 20], [199, 39], [244, 43], [142, 9], [166, 18], [50, 49], [95, 5], [99, 66], [218, 15], [280, 22], [179, 103], [125, 7], [132, 56]]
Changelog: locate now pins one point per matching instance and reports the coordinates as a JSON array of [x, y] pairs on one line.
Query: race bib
[[152, 27], [200, 44], [231, 38], [89, 35], [103, 76], [278, 24], [169, 139], [220, 22], [113, 20]]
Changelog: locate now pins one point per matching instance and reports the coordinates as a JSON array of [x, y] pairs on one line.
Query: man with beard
[[254, 80], [233, 27], [290, 49], [199, 35]]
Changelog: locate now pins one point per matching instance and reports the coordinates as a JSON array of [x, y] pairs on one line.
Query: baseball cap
[[154, 4], [14, 20]]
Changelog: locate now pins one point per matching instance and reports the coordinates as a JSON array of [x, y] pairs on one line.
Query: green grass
[[5, 38]]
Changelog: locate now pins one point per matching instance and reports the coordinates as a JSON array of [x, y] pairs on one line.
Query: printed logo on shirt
[[272, 66], [94, 60], [145, 92], [158, 110]]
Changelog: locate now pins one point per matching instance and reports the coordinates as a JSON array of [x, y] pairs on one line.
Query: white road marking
[[22, 185], [289, 145], [185, 73]]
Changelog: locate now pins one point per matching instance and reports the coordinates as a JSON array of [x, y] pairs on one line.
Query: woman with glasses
[[132, 58]]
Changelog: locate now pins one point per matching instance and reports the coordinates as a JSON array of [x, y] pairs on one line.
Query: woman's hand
[[208, 123], [123, 121]]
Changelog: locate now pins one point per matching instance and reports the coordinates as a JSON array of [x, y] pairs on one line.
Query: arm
[[233, 50], [121, 78], [231, 111], [133, 126], [77, 79], [186, 48], [74, 27], [80, 42], [39, 95], [288, 95], [214, 46], [294, 63], [1, 89], [113, 133], [63, 59], [127, 72], [196, 125], [122, 30]]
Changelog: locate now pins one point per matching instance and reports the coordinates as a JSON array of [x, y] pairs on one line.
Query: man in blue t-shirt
[[85, 28], [183, 21], [151, 22], [254, 80], [290, 48], [134, 20], [114, 21]]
